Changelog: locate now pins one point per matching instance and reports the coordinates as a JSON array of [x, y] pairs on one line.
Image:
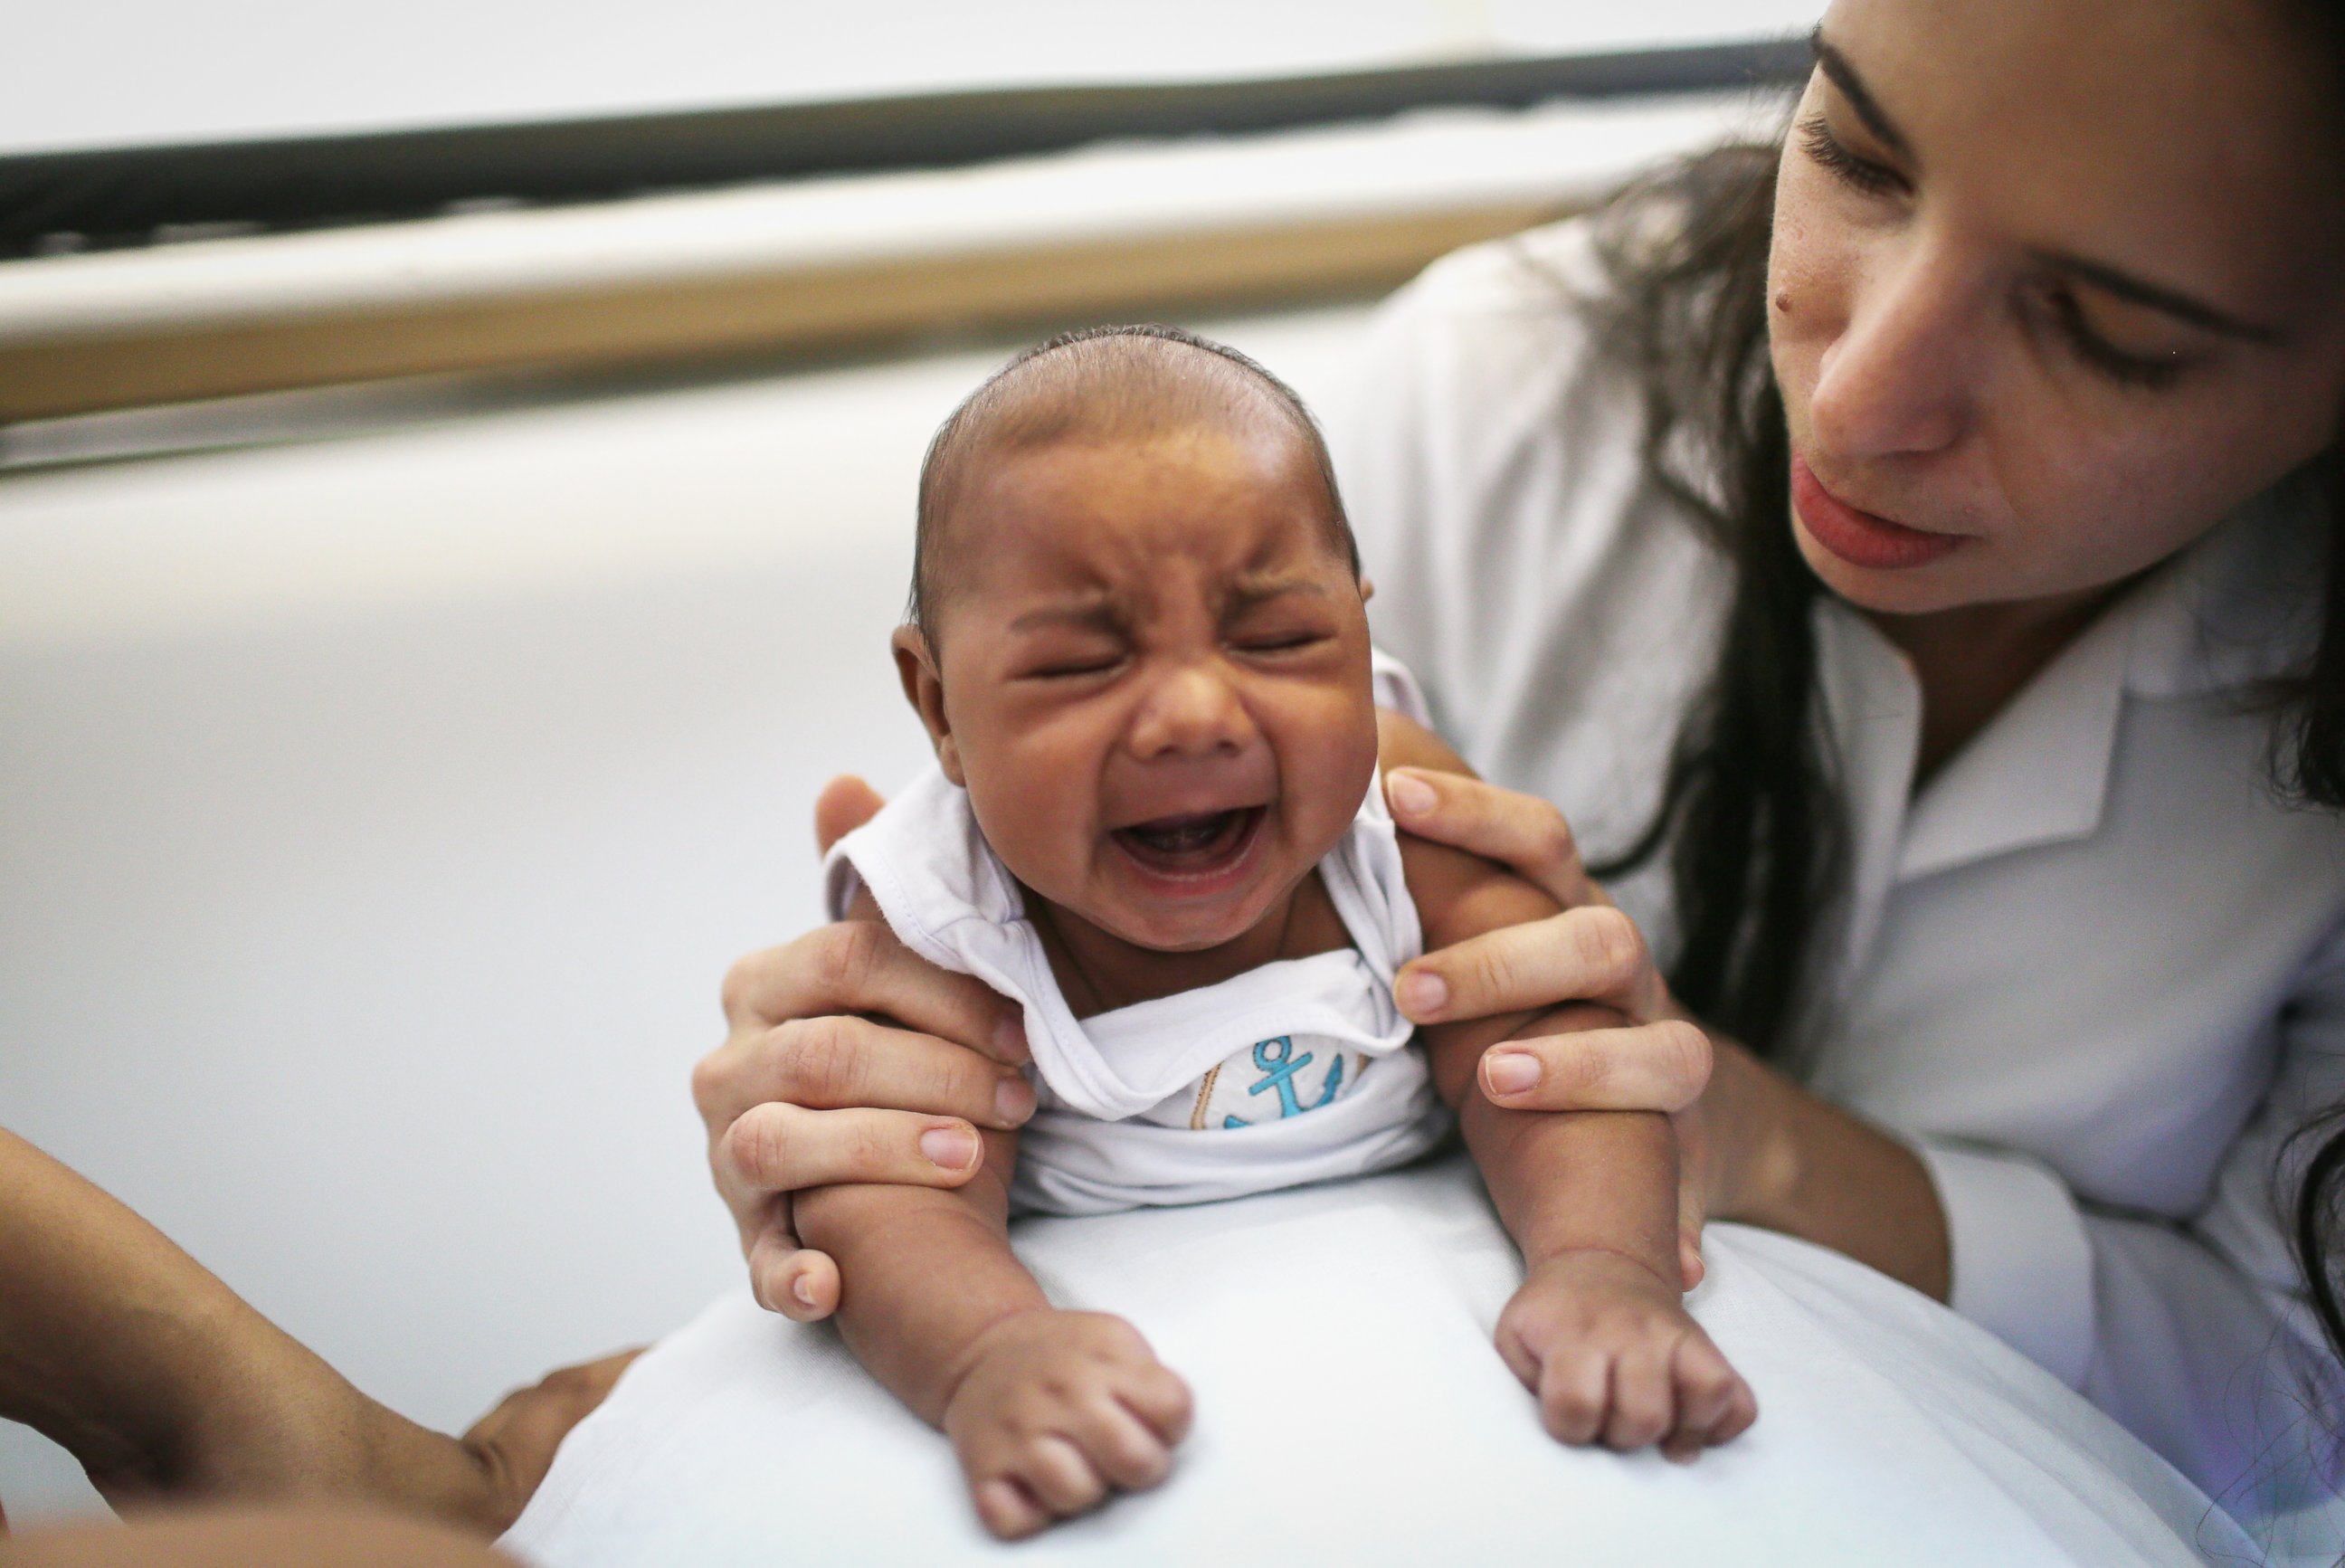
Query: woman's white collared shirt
[[2094, 970]]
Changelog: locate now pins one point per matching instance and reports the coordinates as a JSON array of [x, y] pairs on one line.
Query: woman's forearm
[[161, 1380], [1787, 1161]]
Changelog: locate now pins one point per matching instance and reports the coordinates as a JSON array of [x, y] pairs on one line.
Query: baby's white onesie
[[1296, 1072]]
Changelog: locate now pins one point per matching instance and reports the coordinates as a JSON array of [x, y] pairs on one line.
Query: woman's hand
[[1753, 1146], [848, 1058]]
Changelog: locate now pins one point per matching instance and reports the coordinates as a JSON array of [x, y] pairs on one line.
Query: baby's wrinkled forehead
[[1119, 387]]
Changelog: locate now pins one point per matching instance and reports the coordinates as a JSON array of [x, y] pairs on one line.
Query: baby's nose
[[1190, 712]]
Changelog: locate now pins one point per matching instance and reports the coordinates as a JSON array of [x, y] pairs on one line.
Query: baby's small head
[[1138, 633]]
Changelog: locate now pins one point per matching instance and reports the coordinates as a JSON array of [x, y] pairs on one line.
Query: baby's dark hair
[[1100, 381]]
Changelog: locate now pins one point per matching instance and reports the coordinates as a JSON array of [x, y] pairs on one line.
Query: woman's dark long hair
[[1751, 815]]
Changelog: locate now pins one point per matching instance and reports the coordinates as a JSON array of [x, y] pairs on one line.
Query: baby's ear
[[924, 688]]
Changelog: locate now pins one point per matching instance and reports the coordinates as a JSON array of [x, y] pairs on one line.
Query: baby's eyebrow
[[1246, 592], [1095, 615]]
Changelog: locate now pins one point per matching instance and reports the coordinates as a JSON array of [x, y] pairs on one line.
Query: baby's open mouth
[[1193, 844]]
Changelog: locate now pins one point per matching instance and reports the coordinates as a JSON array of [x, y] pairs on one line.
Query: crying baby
[[1139, 642]]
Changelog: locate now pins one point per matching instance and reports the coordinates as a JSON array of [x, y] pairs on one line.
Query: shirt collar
[[2237, 608]]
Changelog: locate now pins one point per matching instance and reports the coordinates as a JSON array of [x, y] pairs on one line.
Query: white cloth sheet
[[1351, 1409]]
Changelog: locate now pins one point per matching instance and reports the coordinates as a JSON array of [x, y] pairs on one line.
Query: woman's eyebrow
[[2124, 285], [2181, 307], [1842, 75]]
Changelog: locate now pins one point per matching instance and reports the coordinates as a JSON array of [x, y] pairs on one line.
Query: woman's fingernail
[[1009, 1038], [950, 1148], [1422, 996], [1014, 1100], [1510, 1073], [803, 1291], [1410, 794]]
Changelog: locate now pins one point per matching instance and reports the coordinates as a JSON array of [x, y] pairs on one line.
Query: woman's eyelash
[[2104, 356], [1857, 173]]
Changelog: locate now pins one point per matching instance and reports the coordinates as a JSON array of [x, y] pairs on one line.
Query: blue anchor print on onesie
[[1278, 1076]]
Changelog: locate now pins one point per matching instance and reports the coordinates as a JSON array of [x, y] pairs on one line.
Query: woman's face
[[2056, 284]]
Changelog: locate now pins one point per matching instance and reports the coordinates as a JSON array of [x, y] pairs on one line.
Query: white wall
[[378, 816], [80, 73]]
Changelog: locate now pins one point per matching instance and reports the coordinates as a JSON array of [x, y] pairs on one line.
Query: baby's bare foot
[[1056, 1410], [1614, 1358]]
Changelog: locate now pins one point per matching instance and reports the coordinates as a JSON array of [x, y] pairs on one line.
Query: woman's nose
[[1190, 711], [1896, 380]]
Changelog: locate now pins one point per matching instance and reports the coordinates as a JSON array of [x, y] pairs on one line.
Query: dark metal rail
[[129, 195]]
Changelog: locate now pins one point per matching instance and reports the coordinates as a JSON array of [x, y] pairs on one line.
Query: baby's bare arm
[[1603, 1180], [923, 1273], [1597, 1331], [1049, 1411]]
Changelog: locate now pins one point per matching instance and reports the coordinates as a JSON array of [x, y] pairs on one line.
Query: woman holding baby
[[1893, 588]]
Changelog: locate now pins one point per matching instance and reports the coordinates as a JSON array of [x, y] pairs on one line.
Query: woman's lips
[[1859, 538]]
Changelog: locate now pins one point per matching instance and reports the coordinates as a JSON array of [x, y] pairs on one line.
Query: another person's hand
[[1057, 1410], [848, 1058], [1657, 1059], [513, 1444]]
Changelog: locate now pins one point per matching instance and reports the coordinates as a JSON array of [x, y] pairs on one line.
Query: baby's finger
[[786, 1148], [800, 1283], [1519, 1358], [1742, 1412], [1006, 1507], [1161, 1400], [1705, 1386], [1660, 1066], [860, 966], [1574, 1386], [1059, 1473], [1644, 1401], [1125, 1448]]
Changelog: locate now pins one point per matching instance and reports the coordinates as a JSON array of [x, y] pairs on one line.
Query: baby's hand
[[1613, 1356], [1054, 1410]]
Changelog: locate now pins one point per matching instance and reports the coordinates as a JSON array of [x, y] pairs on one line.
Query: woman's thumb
[[844, 804]]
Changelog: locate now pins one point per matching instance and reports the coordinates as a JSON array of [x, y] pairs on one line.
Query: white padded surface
[[1351, 1410]]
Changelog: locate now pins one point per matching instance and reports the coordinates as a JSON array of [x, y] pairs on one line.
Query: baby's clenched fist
[[1055, 1410], [1614, 1358]]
